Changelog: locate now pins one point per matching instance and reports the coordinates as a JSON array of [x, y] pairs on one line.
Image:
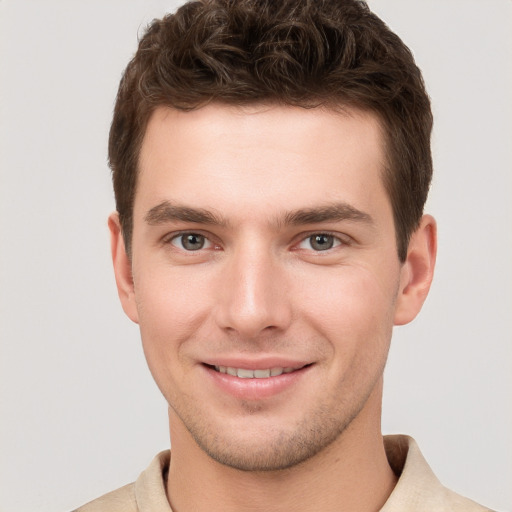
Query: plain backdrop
[[79, 412]]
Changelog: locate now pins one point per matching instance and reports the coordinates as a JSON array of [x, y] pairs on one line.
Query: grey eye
[[321, 242], [190, 241]]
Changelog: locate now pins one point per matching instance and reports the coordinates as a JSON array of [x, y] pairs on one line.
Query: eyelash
[[336, 240]]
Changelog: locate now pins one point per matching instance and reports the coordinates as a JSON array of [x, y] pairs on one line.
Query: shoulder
[[120, 500], [459, 503], [418, 489], [146, 493]]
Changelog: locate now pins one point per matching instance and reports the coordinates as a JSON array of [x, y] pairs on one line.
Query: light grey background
[[79, 413]]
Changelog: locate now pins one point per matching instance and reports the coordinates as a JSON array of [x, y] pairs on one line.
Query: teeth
[[243, 373], [261, 374]]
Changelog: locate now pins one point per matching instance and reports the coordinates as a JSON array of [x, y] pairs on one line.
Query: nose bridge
[[254, 293]]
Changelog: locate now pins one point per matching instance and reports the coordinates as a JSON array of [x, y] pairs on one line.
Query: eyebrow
[[168, 212], [329, 213]]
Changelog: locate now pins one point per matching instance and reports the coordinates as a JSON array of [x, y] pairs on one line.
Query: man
[[271, 161]]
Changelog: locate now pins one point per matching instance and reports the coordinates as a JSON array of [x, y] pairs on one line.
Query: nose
[[254, 297]]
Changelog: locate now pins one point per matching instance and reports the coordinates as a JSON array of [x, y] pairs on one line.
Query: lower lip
[[256, 389]]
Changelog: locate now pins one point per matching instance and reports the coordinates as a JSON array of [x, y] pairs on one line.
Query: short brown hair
[[305, 53]]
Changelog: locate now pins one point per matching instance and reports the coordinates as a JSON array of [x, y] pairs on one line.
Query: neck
[[352, 474]]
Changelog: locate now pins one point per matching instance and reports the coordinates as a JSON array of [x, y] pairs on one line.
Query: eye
[[190, 242], [320, 242]]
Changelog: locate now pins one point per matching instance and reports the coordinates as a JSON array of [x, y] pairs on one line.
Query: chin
[[269, 449]]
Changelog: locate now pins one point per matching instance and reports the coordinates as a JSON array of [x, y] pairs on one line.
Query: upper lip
[[256, 363]]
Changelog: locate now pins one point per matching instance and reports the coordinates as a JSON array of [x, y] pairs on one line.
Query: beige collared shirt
[[417, 490]]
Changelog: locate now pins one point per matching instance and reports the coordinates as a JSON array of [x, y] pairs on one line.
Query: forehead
[[264, 155]]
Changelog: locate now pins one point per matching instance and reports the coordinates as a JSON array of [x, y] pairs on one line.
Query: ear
[[417, 271], [122, 268]]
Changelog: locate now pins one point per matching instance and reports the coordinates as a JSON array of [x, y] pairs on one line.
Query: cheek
[[353, 308], [171, 310], [170, 298]]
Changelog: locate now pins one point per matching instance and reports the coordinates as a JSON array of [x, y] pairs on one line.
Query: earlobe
[[122, 268], [417, 271]]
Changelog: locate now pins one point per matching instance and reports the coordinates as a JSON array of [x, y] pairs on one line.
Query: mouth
[[246, 373], [263, 381]]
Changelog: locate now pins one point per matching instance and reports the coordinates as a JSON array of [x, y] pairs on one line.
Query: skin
[[255, 186]]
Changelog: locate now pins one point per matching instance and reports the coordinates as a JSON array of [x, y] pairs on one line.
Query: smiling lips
[[244, 373], [256, 380]]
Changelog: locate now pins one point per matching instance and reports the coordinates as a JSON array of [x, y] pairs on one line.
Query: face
[[264, 276]]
